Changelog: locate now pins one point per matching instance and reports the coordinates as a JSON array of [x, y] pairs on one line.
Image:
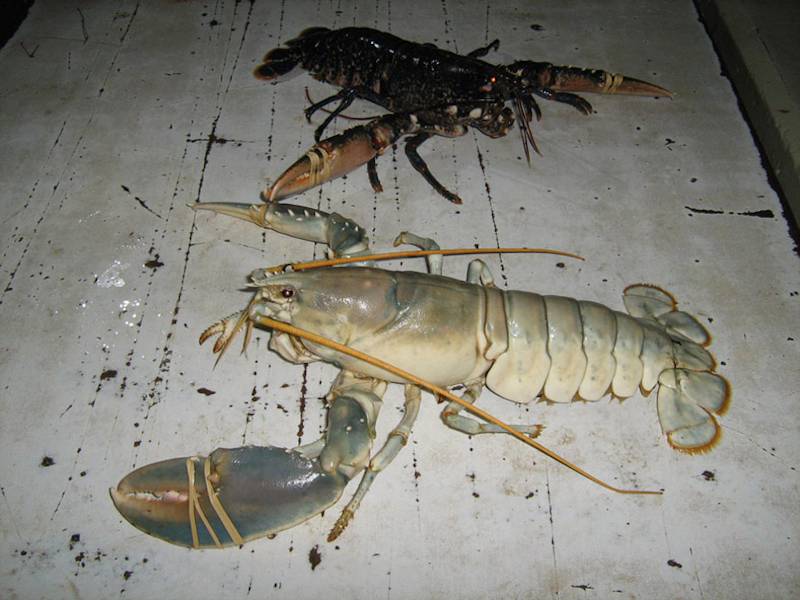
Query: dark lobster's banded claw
[[575, 79], [603, 82], [330, 159], [233, 496], [338, 155]]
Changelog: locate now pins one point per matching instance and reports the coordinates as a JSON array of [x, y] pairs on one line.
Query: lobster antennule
[[530, 104], [523, 115]]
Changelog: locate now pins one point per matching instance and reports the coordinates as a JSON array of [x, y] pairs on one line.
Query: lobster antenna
[[435, 389], [343, 116], [316, 264], [525, 128]]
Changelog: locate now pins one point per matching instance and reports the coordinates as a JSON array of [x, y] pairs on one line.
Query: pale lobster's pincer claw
[[338, 155], [574, 79], [228, 498]]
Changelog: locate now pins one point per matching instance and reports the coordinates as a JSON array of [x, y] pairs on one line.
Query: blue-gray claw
[[230, 497]]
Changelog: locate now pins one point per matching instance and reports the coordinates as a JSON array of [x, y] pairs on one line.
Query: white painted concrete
[[115, 116]]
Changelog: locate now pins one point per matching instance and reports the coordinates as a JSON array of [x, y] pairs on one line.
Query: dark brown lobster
[[427, 91]]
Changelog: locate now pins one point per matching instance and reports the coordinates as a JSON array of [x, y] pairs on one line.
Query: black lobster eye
[[287, 292]]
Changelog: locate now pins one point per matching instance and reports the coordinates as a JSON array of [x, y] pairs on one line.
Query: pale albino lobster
[[427, 91], [519, 344]]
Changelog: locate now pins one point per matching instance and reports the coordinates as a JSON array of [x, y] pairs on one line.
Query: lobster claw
[[228, 498], [340, 154], [574, 79]]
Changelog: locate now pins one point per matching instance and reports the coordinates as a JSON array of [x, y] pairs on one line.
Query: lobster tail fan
[[687, 402], [690, 394], [277, 62], [651, 302]]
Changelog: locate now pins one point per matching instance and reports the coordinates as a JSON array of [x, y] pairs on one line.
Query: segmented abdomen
[[565, 349]]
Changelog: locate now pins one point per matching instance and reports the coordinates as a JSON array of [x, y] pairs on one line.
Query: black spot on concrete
[[47, 461], [761, 214], [704, 211], [314, 557], [205, 391], [674, 563], [108, 374], [708, 475]]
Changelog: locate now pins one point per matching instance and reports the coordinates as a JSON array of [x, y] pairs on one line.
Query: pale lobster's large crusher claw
[[228, 498], [240, 494]]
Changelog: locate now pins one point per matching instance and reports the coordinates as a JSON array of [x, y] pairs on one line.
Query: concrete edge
[[758, 83]]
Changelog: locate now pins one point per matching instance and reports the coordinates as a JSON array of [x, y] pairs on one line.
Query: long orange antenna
[[376, 362], [316, 264]]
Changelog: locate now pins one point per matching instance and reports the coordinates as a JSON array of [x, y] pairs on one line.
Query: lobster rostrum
[[521, 345], [427, 91]]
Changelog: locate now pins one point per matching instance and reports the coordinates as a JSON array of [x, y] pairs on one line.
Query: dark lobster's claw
[[574, 79], [338, 155], [233, 496]]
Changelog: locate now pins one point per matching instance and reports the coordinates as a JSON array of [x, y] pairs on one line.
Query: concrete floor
[[115, 116]]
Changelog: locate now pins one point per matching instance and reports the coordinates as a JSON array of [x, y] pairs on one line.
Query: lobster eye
[[487, 87], [287, 292]]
